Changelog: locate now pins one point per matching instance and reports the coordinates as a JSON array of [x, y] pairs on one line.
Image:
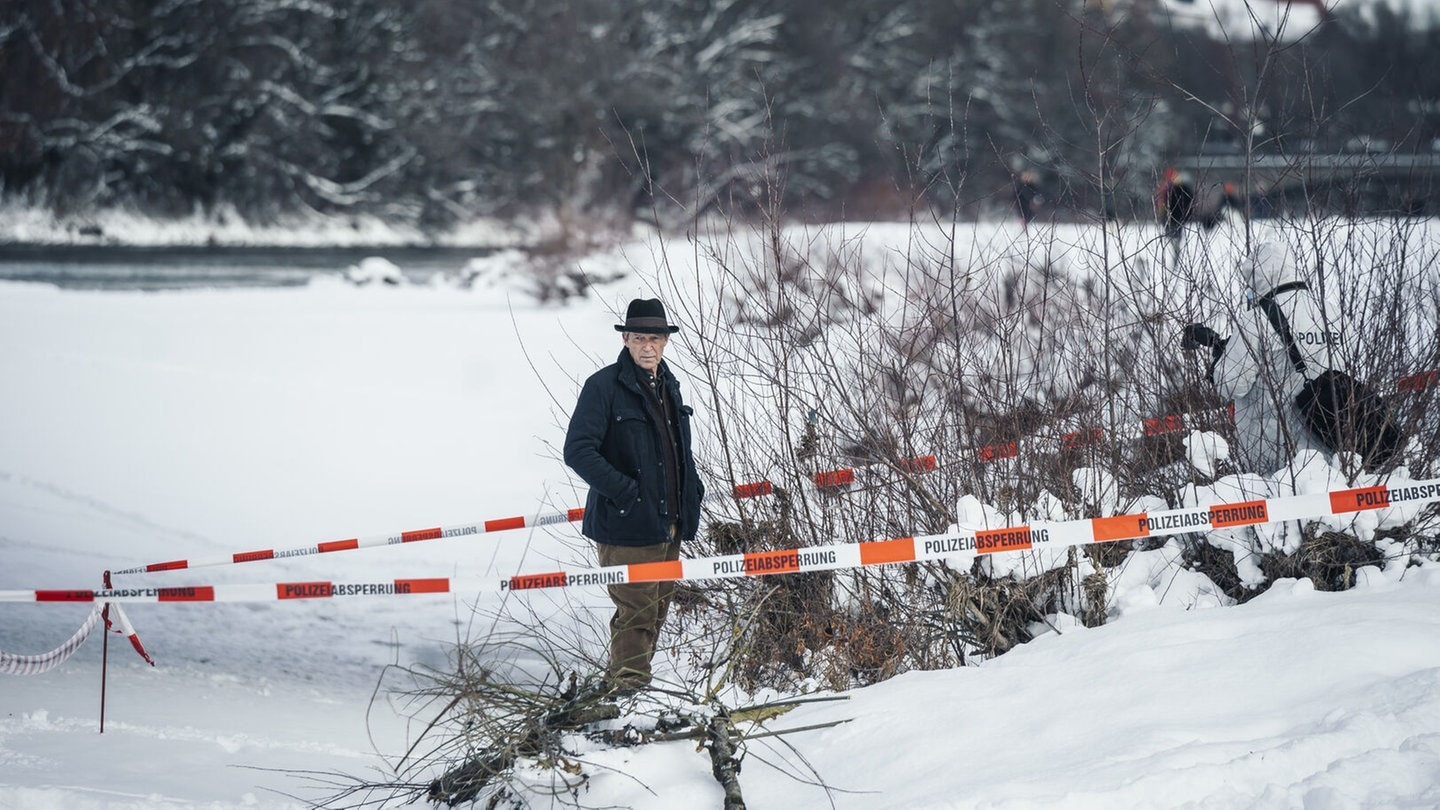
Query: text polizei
[[774, 562], [1384, 497]]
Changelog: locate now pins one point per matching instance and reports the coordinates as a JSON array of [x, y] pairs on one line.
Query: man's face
[[646, 350]]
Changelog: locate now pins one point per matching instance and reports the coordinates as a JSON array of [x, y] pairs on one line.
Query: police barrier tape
[[16, 664], [757, 489], [1090, 437], [124, 628], [1156, 426], [967, 544], [412, 536], [825, 480]]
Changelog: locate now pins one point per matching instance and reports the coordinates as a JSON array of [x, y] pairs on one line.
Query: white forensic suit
[[1255, 369]]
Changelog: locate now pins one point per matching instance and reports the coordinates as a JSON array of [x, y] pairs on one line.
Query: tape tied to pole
[[14, 664]]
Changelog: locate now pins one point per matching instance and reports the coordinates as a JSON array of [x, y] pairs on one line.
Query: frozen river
[[90, 267]]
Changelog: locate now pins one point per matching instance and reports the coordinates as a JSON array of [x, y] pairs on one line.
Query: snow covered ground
[[138, 428]]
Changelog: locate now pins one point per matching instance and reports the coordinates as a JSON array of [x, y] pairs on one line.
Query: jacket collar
[[632, 376]]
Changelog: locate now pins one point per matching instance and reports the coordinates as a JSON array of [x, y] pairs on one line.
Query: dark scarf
[[662, 411]]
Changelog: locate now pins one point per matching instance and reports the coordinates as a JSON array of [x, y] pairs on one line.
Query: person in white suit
[[1254, 367]]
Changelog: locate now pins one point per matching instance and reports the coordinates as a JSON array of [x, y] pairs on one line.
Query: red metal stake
[[105, 654]]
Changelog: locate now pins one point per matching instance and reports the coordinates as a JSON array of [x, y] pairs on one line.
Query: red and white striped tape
[[1413, 383], [412, 536], [1157, 426], [828, 480], [16, 664], [1077, 439], [961, 545], [757, 489], [121, 624]]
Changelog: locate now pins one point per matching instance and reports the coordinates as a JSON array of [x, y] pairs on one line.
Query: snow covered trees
[[200, 104], [439, 110]]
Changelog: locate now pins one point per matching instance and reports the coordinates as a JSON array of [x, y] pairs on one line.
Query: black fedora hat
[[646, 315]]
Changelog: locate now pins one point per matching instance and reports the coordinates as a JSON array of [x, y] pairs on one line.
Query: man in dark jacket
[[1175, 203], [629, 439]]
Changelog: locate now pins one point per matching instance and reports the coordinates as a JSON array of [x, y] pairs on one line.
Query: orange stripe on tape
[[576, 514], [754, 490], [662, 571], [503, 524], [1081, 438], [199, 593], [989, 541], [174, 565], [526, 582], [772, 562], [1239, 514], [422, 585], [834, 478], [1120, 527], [340, 545], [420, 534], [304, 590], [1356, 500], [1164, 424], [994, 452], [919, 464], [253, 556], [880, 552]]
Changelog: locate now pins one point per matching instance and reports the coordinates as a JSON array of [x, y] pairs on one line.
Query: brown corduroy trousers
[[640, 610]]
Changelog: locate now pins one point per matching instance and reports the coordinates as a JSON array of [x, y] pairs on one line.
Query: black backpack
[[1341, 411]]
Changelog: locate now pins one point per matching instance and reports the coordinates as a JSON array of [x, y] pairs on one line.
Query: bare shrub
[[1002, 356], [1327, 558]]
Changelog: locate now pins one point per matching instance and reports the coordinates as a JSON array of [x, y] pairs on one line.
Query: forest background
[[438, 112]]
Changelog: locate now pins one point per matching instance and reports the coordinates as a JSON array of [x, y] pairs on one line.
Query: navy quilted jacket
[[613, 443]]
